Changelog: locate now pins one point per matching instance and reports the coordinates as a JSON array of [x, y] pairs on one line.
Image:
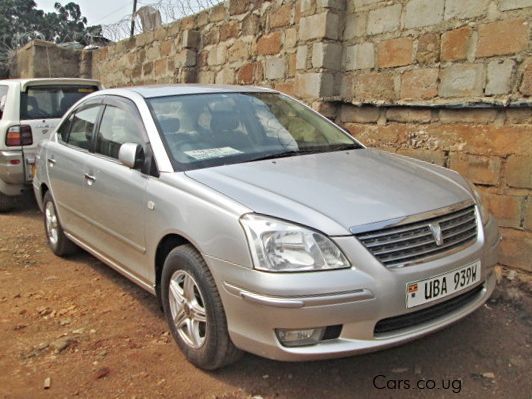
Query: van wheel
[[6, 203], [194, 310], [57, 241]]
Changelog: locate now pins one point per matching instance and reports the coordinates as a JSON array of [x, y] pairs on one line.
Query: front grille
[[425, 315], [413, 242]]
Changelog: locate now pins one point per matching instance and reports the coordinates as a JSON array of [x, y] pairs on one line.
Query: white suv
[[29, 111]]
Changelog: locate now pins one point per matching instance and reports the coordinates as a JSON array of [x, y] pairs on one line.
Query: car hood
[[335, 191]]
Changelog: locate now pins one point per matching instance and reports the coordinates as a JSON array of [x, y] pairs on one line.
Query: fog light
[[305, 337]]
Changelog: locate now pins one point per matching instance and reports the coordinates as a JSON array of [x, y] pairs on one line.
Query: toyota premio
[[260, 225]]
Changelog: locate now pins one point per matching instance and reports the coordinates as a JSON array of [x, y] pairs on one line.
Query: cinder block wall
[[41, 59], [492, 147], [447, 81]]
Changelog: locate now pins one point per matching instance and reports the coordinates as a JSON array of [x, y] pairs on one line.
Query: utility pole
[[133, 18]]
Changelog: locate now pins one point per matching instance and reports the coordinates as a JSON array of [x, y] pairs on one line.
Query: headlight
[[484, 214], [278, 246]]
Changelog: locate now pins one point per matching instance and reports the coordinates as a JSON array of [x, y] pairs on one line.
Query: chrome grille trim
[[414, 242]]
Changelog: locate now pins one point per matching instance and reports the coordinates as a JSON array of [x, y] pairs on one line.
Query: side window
[[116, 128], [82, 126], [3, 96], [64, 129]]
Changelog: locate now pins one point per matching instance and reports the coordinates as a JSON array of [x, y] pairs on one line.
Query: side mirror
[[131, 155]]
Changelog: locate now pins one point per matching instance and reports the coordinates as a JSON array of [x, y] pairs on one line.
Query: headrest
[[32, 102], [169, 124], [224, 121]]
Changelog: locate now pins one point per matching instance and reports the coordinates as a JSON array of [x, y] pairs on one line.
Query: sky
[[109, 12], [97, 11]]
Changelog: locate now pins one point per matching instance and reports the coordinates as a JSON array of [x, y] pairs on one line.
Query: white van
[[29, 111]]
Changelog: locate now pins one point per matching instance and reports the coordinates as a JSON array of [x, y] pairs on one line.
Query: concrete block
[[502, 37], [499, 77], [319, 26], [465, 8], [385, 19], [186, 58], [359, 56], [327, 55], [301, 57], [395, 52], [419, 84], [462, 80], [519, 171], [526, 83], [225, 76], [420, 13], [315, 85], [274, 68], [355, 26], [480, 169], [505, 5], [191, 38]]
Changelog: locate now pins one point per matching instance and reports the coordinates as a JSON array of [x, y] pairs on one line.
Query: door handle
[[90, 179], [51, 161]]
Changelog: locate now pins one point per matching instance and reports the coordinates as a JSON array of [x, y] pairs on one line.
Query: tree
[[21, 22], [68, 24]]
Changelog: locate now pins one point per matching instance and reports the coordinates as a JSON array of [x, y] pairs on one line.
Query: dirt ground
[[80, 328]]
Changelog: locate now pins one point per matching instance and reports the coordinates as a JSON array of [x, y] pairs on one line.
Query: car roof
[[182, 89], [38, 81]]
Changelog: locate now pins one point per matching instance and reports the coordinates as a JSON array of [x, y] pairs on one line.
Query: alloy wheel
[[51, 223], [188, 309]]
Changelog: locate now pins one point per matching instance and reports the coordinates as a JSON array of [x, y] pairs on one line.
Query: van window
[[3, 96], [50, 102]]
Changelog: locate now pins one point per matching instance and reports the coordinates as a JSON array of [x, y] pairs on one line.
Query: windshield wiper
[[343, 147], [308, 150], [275, 155]]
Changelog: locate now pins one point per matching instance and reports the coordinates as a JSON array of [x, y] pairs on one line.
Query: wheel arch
[[165, 245], [44, 190]]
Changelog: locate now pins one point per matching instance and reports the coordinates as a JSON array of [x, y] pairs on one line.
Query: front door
[[116, 193]]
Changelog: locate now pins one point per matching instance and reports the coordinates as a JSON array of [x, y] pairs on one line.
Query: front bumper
[[257, 303]]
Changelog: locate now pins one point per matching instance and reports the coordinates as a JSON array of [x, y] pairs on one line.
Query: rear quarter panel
[[11, 113]]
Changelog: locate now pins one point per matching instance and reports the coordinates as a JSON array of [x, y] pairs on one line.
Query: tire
[[210, 348], [55, 236], [6, 202]]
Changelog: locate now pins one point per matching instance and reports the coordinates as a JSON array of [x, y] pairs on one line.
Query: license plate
[[437, 287]]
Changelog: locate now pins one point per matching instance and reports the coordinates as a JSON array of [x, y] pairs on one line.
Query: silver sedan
[[260, 225]]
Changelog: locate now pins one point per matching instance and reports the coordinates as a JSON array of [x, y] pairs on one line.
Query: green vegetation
[[21, 22]]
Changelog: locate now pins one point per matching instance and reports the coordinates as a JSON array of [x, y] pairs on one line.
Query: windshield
[[204, 130], [50, 102]]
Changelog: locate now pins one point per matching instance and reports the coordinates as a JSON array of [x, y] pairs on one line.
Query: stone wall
[[242, 42], [40, 59], [448, 81], [438, 50], [490, 146], [452, 79]]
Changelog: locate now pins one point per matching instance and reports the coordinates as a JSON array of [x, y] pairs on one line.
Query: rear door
[[66, 165], [116, 194]]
